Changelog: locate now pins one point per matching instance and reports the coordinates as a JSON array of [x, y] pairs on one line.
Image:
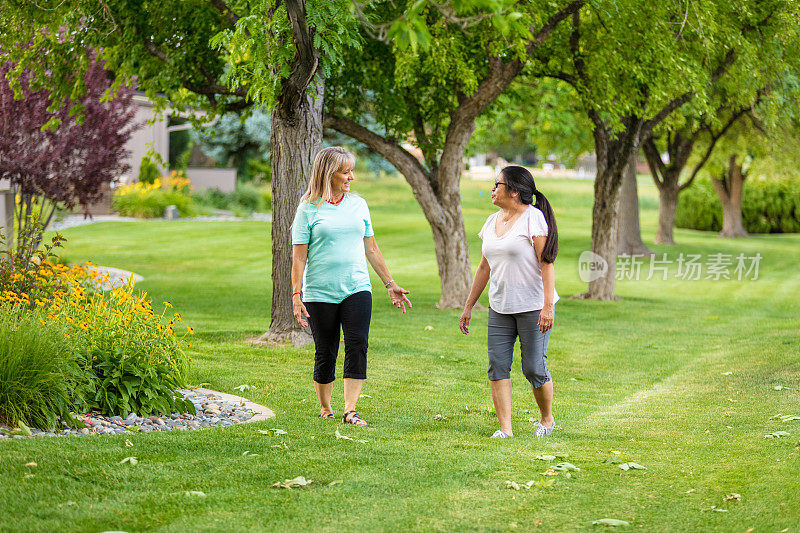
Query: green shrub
[[768, 206], [148, 171], [39, 374], [142, 200], [246, 199]]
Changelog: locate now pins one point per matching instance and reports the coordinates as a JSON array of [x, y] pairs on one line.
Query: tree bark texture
[[294, 142], [629, 234], [667, 206], [729, 189], [614, 151], [295, 138]]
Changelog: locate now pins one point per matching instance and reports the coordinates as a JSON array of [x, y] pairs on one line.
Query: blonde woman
[[332, 240]]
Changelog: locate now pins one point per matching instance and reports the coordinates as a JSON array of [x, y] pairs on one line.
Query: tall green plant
[[39, 375]]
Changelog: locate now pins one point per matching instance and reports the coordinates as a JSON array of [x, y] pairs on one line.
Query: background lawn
[[678, 376]]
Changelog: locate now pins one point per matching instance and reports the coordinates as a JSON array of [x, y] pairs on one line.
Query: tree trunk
[[629, 234], [613, 155], [452, 258], [295, 140], [667, 205], [729, 189]]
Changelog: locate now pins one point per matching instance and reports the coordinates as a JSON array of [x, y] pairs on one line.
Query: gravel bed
[[212, 411]]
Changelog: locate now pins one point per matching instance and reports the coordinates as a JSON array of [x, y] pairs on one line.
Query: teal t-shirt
[[337, 265]]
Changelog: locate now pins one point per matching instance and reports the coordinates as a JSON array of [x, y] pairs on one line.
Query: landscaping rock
[[212, 411]]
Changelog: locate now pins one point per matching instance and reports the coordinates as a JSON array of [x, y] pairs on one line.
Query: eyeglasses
[[498, 183]]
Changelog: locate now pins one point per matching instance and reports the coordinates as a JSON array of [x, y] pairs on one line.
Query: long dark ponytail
[[520, 180]]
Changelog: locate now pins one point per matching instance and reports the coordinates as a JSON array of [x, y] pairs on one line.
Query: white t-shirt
[[516, 276]]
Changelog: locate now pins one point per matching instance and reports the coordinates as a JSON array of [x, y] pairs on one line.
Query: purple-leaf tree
[[67, 165]]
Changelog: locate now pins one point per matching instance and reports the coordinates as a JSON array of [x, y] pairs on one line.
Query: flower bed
[[116, 354]]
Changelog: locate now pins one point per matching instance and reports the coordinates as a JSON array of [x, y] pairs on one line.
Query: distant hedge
[[768, 206]]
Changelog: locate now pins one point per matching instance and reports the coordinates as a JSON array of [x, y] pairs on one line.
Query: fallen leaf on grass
[[132, 460], [128, 443], [785, 418], [295, 483], [248, 454], [429, 328], [781, 387], [611, 522], [195, 493], [440, 417], [690, 491], [777, 434], [545, 457], [272, 432], [345, 437], [716, 509], [31, 464], [631, 466], [566, 467], [732, 497], [613, 460], [282, 446], [549, 472], [364, 396], [727, 373], [242, 388], [335, 482], [539, 483]]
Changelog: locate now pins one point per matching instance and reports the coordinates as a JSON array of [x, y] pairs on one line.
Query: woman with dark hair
[[520, 244]]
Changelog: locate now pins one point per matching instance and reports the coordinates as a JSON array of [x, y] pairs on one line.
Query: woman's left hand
[[398, 296], [546, 318]]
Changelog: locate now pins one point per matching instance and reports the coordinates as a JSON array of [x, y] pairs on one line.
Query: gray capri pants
[[503, 332]]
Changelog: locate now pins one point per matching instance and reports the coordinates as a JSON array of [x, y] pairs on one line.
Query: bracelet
[[292, 296], [386, 285]]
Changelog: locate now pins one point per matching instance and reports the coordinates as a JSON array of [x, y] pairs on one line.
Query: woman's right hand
[[299, 310], [464, 322]]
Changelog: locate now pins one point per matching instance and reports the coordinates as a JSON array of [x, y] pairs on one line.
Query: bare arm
[[299, 256], [478, 284], [396, 293], [547, 315]]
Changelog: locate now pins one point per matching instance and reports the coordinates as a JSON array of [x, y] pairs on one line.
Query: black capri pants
[[352, 316]]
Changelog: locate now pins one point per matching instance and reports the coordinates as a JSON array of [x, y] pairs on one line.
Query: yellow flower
[[167, 304], [177, 316], [190, 330]]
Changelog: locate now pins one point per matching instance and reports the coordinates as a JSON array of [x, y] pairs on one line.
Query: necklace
[[337, 202]]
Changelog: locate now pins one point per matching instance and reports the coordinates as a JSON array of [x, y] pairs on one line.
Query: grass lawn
[[678, 376]]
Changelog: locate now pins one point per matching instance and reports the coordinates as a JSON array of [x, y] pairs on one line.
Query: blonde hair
[[328, 161]]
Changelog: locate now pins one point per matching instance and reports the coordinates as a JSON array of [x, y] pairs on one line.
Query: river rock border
[[213, 409]]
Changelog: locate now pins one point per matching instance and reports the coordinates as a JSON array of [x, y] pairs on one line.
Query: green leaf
[[611, 522]]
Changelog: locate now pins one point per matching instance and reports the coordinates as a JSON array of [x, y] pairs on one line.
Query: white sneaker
[[500, 434], [543, 431]]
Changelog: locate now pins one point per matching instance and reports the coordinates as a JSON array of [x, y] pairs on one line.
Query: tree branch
[[305, 63], [654, 161], [402, 159], [714, 138], [223, 8]]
